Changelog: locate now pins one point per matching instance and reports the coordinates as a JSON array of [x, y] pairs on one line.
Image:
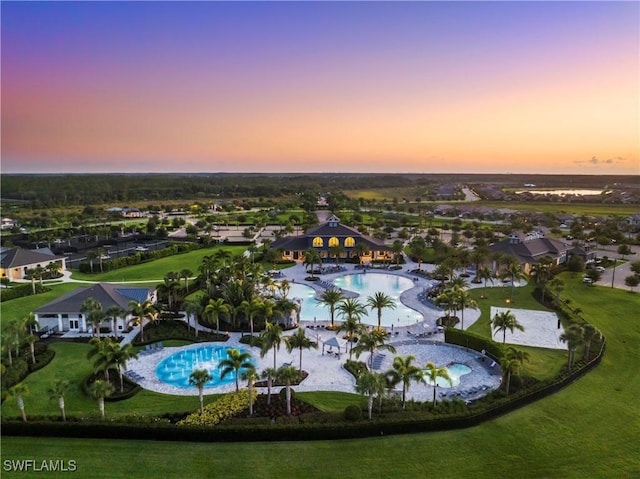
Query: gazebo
[[335, 343]]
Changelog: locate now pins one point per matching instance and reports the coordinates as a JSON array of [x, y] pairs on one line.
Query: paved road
[[616, 279]]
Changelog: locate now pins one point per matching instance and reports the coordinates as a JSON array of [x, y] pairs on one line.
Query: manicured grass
[[331, 401], [501, 296], [155, 271], [587, 430], [20, 307], [71, 364]]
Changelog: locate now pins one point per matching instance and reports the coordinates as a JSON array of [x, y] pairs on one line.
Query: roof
[[331, 228], [106, 294], [17, 257], [531, 250]]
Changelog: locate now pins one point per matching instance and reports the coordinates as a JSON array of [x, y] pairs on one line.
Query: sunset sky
[[424, 87]]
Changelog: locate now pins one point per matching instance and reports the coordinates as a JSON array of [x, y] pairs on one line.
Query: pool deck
[[326, 371], [409, 297]]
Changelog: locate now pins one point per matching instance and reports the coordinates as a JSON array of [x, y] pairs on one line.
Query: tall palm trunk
[[20, 402], [61, 406]]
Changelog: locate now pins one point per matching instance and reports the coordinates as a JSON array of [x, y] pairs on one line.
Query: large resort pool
[[364, 285]]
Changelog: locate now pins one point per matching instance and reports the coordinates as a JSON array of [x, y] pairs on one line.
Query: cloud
[[597, 161]]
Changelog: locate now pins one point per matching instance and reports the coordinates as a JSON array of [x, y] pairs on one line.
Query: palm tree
[[404, 372], [503, 321], [485, 275], [250, 309], [233, 363], [299, 340], [573, 336], [514, 272], [379, 301], [101, 354], [17, 392], [311, 258], [351, 310], [370, 384], [213, 310], [91, 255], [31, 323], [185, 274], [269, 374], [7, 342], [465, 301], [58, 390], [114, 312], [271, 338], [92, 309], [250, 376], [288, 375], [336, 251], [397, 248], [372, 342], [557, 285], [193, 310], [432, 374], [99, 390], [141, 312], [119, 355], [589, 333], [509, 367], [331, 297], [31, 339], [518, 355], [198, 378]]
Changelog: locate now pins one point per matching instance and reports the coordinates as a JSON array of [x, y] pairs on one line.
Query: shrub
[[283, 394], [227, 406], [355, 367], [21, 290], [352, 413]]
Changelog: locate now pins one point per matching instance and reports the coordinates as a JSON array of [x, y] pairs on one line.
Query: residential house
[[15, 262], [529, 248]]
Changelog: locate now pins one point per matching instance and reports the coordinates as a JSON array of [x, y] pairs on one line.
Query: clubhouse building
[[331, 239]]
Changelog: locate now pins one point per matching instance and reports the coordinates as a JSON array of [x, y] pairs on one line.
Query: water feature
[[365, 285], [456, 370], [563, 192], [176, 369]]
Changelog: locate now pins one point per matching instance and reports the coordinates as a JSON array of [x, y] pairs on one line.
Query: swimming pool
[[176, 369], [456, 370], [365, 285]]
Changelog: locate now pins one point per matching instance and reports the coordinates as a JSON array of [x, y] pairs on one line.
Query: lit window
[[317, 242], [349, 242], [333, 241]]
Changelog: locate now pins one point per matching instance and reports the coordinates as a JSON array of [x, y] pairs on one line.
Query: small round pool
[[455, 371], [176, 369]]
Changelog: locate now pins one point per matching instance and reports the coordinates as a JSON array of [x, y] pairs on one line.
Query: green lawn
[[19, 308], [155, 271], [588, 430]]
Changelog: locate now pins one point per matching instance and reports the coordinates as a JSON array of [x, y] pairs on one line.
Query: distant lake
[[562, 192]]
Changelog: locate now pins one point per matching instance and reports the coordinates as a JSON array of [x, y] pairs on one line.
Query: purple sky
[[541, 87]]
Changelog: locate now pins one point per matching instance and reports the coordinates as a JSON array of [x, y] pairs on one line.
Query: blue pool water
[[176, 369], [365, 285], [455, 371]]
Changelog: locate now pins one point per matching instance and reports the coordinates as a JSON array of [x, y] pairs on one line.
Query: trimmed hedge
[[474, 341], [21, 290]]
